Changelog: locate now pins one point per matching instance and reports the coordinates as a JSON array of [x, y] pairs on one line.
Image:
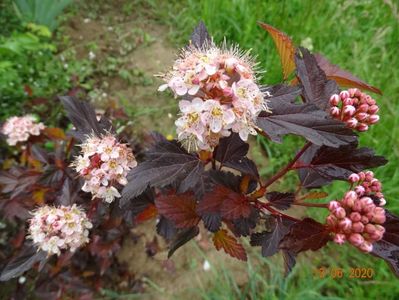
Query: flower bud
[[370, 101], [335, 111], [339, 238], [369, 175], [361, 175], [331, 221], [355, 217], [354, 178], [333, 205], [353, 92], [370, 228], [365, 220], [373, 109], [380, 228], [362, 127], [334, 100], [362, 116], [356, 239], [374, 119], [363, 108], [360, 190], [345, 224], [382, 202], [349, 110], [357, 227], [377, 235], [348, 101], [366, 247], [344, 95], [352, 122], [340, 213], [357, 206]]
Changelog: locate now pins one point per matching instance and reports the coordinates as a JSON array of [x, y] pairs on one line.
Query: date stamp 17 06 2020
[[351, 273]]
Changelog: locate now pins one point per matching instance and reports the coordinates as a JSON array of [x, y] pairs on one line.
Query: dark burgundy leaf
[[39, 154], [281, 92], [317, 89], [231, 153], [235, 206], [226, 179], [83, 117], [320, 165], [70, 192], [9, 180], [212, 221], [200, 36], [270, 240], [167, 163], [138, 204], [181, 238], [22, 263], [178, 208], [14, 208], [166, 228], [307, 234], [209, 207], [279, 200], [305, 120], [343, 77], [388, 247], [289, 261], [243, 226]]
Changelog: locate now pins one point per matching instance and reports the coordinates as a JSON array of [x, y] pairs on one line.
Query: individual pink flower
[[358, 110], [104, 163], [357, 218], [19, 129], [53, 229]]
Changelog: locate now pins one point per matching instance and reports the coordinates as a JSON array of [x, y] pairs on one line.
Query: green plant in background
[[44, 12]]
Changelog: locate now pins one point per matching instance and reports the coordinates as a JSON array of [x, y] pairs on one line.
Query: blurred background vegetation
[[99, 49]]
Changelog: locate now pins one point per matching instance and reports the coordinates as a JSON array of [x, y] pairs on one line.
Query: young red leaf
[[231, 152], [342, 77], [178, 208], [285, 48], [235, 206], [270, 240], [148, 213], [166, 163], [279, 200], [54, 133], [307, 234], [222, 240], [305, 120], [320, 165], [317, 89]]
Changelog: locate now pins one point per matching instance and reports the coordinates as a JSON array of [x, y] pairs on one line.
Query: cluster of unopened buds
[[220, 95], [19, 129], [358, 217], [104, 163], [53, 229], [358, 110]]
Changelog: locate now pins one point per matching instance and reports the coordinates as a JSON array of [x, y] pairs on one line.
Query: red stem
[[288, 167], [273, 211], [324, 205]]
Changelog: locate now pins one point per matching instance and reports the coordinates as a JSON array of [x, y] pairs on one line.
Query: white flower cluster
[[220, 95], [19, 129], [53, 229], [104, 162]]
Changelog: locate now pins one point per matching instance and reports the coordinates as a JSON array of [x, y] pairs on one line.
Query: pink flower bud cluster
[[358, 110], [103, 164], [53, 229], [220, 95], [19, 129], [357, 218]]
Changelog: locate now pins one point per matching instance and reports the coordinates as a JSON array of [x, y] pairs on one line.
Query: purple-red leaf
[[317, 89], [222, 240], [200, 36], [231, 153], [388, 247], [305, 120], [180, 209], [320, 165], [307, 234], [181, 238], [269, 241], [342, 77], [279, 200], [167, 163]]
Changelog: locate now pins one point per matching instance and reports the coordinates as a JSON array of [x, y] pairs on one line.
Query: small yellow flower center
[[242, 92], [112, 164], [193, 117], [217, 112]]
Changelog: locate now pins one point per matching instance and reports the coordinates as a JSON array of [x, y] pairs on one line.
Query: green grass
[[360, 36]]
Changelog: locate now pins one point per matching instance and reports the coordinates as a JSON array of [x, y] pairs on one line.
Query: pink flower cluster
[[104, 163], [357, 218], [220, 95], [19, 129], [358, 110], [53, 229]]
